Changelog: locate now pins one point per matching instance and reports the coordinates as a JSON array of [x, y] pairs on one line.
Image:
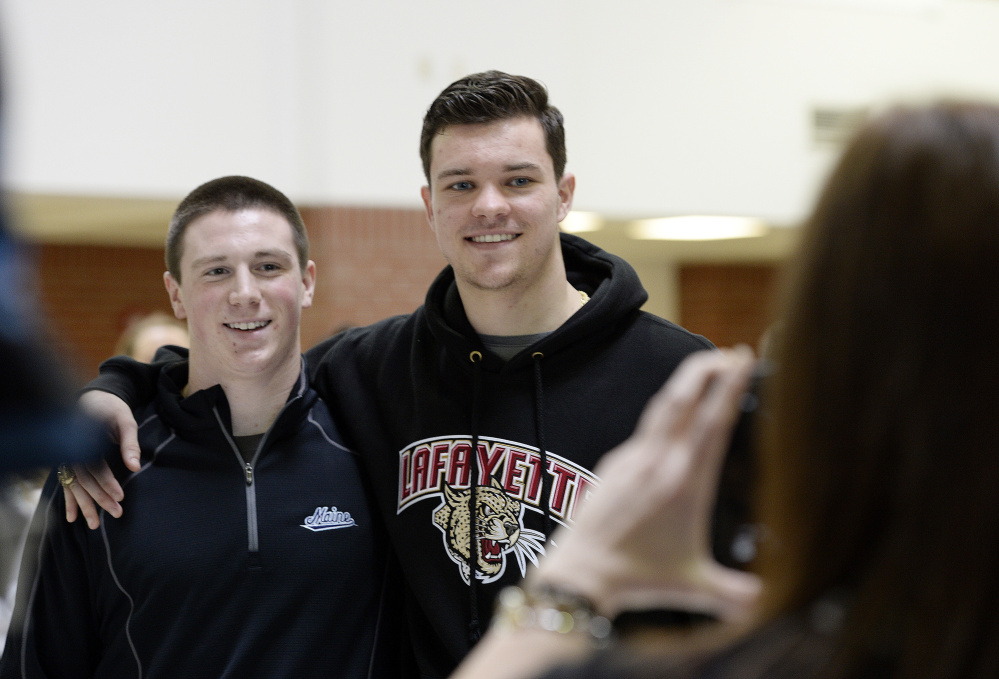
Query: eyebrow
[[277, 254], [456, 172], [515, 167], [526, 165], [211, 259], [259, 254]]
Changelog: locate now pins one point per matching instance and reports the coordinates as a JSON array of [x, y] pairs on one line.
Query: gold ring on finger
[[67, 477]]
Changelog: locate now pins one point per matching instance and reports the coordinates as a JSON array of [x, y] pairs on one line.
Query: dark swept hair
[[490, 96], [231, 194], [880, 460]]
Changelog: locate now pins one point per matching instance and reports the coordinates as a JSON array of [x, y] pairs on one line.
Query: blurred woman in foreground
[[878, 472]]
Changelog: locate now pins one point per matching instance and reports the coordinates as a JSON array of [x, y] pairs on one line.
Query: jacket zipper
[[253, 537], [251, 507]]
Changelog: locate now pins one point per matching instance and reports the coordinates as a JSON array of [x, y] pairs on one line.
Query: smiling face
[[242, 292], [494, 204]]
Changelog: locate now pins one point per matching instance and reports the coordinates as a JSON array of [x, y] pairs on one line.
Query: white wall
[[672, 106]]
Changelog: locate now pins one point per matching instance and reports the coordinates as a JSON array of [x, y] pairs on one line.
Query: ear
[[309, 283], [566, 189], [176, 299], [429, 207]]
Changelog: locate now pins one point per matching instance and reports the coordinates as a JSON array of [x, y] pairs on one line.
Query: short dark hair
[[490, 96], [231, 194]]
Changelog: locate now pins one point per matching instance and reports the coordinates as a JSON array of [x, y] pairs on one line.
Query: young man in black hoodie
[[480, 416]]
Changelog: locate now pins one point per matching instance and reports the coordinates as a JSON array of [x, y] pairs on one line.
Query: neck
[[542, 308], [254, 400]]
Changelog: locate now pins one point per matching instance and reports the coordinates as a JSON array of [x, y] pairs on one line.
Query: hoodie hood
[[612, 284]]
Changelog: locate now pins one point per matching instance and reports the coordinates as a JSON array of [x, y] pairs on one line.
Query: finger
[[72, 509], [735, 592], [664, 421], [712, 589], [86, 505], [688, 469], [88, 490], [104, 478], [711, 427], [710, 432], [128, 439], [111, 410]]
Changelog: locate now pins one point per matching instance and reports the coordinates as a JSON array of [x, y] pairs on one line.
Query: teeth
[[247, 326], [493, 238]]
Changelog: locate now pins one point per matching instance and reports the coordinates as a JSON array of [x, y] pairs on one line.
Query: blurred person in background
[[147, 333], [39, 424], [38, 419], [879, 487]]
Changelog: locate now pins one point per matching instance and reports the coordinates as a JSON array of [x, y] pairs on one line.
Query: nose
[[490, 202], [245, 291]]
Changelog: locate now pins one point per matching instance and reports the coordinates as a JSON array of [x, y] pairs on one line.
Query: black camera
[[734, 534]]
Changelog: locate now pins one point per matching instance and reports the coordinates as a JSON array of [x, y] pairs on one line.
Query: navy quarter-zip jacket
[[270, 564]]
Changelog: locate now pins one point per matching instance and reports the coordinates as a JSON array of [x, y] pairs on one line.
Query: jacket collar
[[194, 416]]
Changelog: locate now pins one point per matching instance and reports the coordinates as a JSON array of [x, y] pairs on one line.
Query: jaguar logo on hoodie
[[509, 484], [499, 529]]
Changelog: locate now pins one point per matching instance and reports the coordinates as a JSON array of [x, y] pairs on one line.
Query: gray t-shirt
[[508, 346]]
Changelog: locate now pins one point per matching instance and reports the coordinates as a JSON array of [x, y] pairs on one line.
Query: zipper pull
[[249, 475]]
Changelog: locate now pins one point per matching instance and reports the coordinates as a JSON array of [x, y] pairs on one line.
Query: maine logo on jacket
[[509, 485], [328, 518]]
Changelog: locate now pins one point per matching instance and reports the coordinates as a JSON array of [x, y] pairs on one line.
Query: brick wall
[[727, 303], [371, 263], [90, 292]]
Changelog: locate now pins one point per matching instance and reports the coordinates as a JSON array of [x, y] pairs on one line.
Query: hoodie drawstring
[[474, 628], [539, 423]]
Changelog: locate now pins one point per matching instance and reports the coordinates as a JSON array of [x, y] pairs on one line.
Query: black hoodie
[[410, 395], [413, 392]]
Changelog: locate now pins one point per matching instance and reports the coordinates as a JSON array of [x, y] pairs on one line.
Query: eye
[[461, 186], [270, 267], [217, 271], [521, 181], [487, 510]]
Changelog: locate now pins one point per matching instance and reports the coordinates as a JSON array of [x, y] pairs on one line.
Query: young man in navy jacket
[[249, 547], [480, 416]]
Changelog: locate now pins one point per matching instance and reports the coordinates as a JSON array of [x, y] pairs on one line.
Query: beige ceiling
[[91, 220]]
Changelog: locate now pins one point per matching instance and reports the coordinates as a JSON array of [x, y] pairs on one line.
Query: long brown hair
[[880, 469]]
